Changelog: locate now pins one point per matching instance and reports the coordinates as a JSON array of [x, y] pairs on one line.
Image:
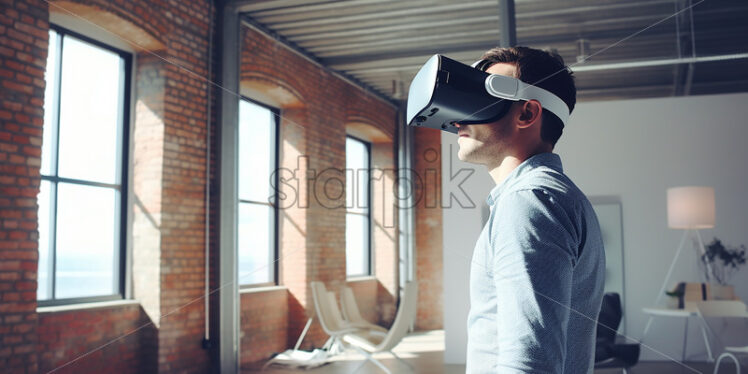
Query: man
[[538, 267]]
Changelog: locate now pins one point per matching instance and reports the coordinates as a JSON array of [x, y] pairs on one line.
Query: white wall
[[462, 225], [633, 150]]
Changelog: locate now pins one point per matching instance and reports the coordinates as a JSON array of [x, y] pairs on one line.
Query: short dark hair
[[544, 69]]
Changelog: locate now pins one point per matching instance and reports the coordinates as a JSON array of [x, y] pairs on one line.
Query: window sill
[[86, 306], [361, 278], [262, 289]]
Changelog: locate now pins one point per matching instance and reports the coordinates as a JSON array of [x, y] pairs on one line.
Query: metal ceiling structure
[[619, 49]]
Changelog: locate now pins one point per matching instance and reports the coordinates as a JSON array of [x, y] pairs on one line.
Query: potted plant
[[725, 262]]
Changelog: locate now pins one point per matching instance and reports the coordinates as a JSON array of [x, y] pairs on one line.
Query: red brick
[[13, 318], [23, 78], [11, 13], [10, 148], [22, 37], [24, 88], [12, 105], [25, 285], [12, 127], [6, 52], [32, 151], [10, 276], [12, 340], [29, 29], [14, 65], [23, 56]]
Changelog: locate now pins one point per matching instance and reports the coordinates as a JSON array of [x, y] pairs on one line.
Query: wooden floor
[[425, 352]]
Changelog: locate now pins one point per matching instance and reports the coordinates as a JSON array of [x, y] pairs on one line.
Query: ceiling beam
[[590, 67], [348, 49], [660, 62], [244, 6], [415, 52], [617, 93], [420, 12], [507, 19], [428, 50], [392, 14], [409, 26], [326, 6]]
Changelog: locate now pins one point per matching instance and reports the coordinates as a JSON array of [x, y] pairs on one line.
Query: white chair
[[352, 313], [369, 343], [329, 317], [724, 309]]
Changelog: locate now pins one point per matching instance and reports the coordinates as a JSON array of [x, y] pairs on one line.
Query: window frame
[[370, 253], [120, 185], [275, 114]]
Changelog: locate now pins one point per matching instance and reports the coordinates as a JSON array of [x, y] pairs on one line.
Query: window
[[258, 159], [82, 201], [358, 216]]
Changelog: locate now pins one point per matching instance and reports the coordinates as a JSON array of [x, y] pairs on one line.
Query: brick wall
[[428, 250], [384, 220], [264, 325], [23, 54], [183, 194], [169, 128], [108, 339], [365, 292]]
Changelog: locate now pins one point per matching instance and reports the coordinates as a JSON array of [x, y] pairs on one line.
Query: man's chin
[[463, 155]]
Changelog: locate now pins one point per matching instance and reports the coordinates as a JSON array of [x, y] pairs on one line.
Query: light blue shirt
[[536, 278]]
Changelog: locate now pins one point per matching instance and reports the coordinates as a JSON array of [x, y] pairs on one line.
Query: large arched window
[[258, 209], [82, 202]]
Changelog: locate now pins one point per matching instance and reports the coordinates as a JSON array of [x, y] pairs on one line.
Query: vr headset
[[446, 92]]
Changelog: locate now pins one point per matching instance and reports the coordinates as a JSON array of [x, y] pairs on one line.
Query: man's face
[[486, 143]]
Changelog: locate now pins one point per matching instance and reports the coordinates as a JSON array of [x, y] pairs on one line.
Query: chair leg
[[730, 355], [403, 361], [328, 343], [371, 358], [685, 340], [360, 366], [706, 340]]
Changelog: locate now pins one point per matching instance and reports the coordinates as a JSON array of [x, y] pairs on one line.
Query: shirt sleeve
[[534, 247]]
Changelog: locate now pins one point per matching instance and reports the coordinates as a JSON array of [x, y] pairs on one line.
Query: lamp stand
[[709, 271]]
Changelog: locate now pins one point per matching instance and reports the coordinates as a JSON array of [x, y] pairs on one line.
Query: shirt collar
[[550, 160]]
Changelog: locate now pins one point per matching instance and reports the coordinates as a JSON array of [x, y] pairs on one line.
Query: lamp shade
[[690, 207]]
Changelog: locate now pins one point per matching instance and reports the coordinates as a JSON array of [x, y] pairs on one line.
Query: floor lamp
[[689, 209]]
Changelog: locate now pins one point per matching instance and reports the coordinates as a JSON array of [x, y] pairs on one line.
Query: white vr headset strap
[[514, 89]]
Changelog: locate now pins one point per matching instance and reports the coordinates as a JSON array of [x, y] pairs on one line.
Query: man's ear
[[529, 113]]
